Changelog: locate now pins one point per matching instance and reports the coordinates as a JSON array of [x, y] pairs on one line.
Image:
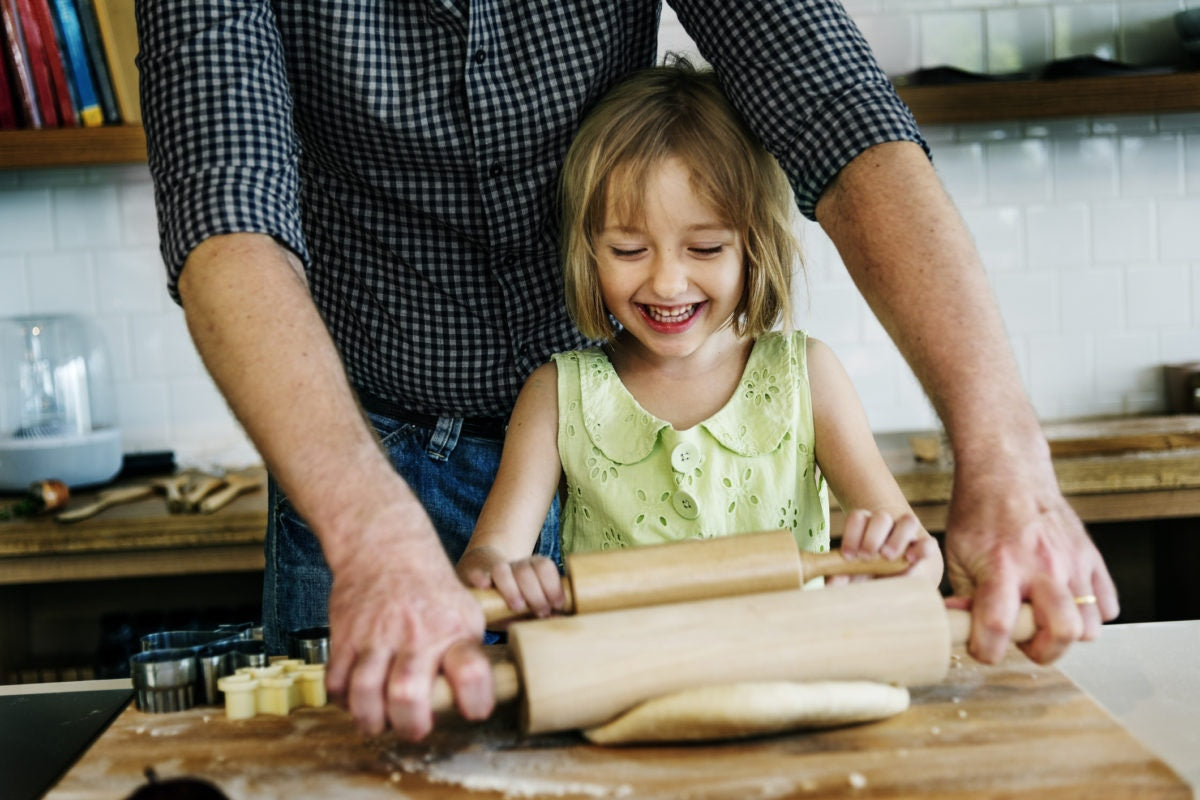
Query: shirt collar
[[753, 422]]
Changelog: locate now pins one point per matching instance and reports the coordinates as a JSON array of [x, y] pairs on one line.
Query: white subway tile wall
[[1089, 229]]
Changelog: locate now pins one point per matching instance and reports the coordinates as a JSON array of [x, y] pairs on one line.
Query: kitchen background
[[1089, 229]]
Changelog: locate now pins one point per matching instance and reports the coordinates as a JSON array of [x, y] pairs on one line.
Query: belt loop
[[444, 438]]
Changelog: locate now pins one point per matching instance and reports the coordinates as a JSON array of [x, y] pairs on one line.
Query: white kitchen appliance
[[58, 416]]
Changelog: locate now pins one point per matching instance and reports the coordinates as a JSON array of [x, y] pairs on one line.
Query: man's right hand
[[397, 612], [398, 616]]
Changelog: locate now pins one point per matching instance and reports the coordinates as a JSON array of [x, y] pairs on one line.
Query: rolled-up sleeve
[[218, 118], [806, 82]]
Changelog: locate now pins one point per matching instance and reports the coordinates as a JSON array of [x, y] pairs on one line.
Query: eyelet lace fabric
[[633, 479]]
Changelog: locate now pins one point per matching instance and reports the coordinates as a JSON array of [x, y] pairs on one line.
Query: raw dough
[[738, 710]]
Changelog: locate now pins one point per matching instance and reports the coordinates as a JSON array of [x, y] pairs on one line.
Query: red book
[[8, 108], [39, 67], [54, 58], [15, 54]]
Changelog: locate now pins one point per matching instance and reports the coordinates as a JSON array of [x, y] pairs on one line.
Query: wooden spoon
[[106, 499]]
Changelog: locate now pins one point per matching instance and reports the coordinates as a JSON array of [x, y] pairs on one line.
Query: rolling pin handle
[[817, 565], [495, 610], [960, 625], [506, 685]]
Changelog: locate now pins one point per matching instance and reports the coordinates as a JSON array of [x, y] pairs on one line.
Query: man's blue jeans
[[449, 472]]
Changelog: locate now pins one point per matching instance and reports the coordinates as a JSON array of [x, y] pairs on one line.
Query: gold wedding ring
[[1085, 600]]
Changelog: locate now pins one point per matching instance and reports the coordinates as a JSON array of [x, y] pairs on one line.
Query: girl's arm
[[512, 516], [879, 519]]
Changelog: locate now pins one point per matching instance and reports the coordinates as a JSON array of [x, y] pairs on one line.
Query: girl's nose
[[670, 276]]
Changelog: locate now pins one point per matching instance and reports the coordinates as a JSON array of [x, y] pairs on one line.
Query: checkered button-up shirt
[[407, 151]]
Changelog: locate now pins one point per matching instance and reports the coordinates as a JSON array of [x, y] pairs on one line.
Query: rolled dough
[[739, 710]]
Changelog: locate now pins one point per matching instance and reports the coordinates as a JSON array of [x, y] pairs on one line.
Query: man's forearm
[[262, 340], [912, 258]]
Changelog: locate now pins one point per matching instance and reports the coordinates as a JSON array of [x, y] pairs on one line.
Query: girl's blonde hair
[[676, 110]]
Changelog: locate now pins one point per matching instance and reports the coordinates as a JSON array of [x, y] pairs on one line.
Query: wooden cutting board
[[1013, 730]]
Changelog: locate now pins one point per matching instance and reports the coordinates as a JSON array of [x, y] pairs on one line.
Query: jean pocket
[[389, 430], [296, 544]]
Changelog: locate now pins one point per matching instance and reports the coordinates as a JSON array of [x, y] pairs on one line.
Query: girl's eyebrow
[[700, 226]]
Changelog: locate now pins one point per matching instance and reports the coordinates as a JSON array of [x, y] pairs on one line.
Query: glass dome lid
[[58, 415]]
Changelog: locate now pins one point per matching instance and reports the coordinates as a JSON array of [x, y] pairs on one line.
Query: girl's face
[[674, 278]]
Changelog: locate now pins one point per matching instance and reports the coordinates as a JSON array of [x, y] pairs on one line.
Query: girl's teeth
[[670, 314]]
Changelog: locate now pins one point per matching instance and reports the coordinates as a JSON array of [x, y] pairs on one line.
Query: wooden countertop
[[1126, 468], [134, 539], [1015, 729], [1107, 456]]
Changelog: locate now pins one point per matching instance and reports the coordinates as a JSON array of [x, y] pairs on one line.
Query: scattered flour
[[483, 770]]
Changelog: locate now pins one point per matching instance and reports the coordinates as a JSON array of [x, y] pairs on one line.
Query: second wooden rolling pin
[[694, 569], [581, 671]]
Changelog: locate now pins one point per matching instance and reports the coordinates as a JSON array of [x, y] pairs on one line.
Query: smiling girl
[[694, 418]]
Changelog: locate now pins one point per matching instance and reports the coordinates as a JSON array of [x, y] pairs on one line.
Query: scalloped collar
[[753, 421]]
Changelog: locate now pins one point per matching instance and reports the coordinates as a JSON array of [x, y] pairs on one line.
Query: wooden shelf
[[1073, 97], [68, 147], [932, 105]]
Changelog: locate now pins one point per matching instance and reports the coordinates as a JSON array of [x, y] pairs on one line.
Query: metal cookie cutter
[[310, 644], [179, 669]]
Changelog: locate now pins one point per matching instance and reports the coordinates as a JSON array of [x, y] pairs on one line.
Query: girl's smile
[[671, 319]]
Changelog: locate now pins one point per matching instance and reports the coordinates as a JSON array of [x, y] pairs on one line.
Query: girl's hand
[[530, 584], [874, 533]]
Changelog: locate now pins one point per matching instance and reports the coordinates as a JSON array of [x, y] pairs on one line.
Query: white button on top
[[685, 457], [685, 505]]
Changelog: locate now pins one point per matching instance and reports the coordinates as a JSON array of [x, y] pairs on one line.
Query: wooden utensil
[[198, 489], [695, 569], [580, 671], [106, 499], [172, 489], [235, 484]]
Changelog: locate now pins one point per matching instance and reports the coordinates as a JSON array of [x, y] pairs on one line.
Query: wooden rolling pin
[[580, 671], [694, 569]]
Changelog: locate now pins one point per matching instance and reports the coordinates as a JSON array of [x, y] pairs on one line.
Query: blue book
[[70, 35], [97, 60]]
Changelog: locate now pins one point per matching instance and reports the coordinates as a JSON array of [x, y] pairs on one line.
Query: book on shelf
[[39, 67], [64, 104], [15, 55], [94, 45], [118, 30], [8, 99], [70, 38]]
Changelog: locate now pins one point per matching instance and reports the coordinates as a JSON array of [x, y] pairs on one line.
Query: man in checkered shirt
[[356, 213]]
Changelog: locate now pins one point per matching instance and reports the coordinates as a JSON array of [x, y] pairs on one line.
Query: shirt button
[[685, 505], [684, 457], [480, 56], [496, 170]]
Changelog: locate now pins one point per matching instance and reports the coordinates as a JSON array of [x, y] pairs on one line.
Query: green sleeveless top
[[632, 479]]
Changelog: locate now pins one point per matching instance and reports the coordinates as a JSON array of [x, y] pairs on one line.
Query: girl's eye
[[708, 251], [627, 252]]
